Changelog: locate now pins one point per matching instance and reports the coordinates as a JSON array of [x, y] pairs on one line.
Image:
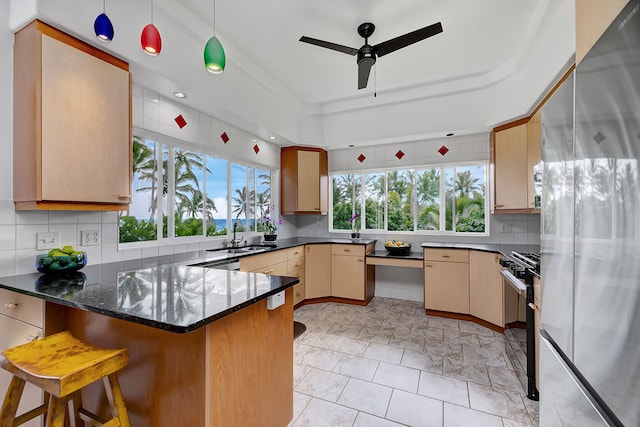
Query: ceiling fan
[[367, 54]]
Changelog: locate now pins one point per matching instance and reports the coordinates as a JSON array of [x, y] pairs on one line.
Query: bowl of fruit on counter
[[396, 247], [61, 260]]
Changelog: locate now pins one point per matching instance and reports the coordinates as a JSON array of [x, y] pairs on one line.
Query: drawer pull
[[360, 260], [428, 265], [298, 264], [347, 250], [267, 271], [446, 256], [499, 206], [124, 196], [10, 305], [31, 338]]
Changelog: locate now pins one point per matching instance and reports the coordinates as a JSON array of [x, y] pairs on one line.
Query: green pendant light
[[214, 57]]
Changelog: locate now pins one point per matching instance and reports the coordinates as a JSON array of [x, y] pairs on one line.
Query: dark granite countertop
[[166, 292], [499, 248], [386, 254], [174, 297]]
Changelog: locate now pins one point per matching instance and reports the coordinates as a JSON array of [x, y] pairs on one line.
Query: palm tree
[[465, 183], [243, 203]]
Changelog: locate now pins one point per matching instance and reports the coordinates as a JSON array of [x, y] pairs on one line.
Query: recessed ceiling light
[[254, 140], [272, 138], [450, 134], [180, 95]]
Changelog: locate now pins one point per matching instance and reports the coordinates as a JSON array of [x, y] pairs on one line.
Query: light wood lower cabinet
[[21, 321], [274, 263], [317, 268], [446, 280], [485, 287], [295, 268], [351, 277]]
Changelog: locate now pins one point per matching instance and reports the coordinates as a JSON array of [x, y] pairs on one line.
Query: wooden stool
[[61, 365]]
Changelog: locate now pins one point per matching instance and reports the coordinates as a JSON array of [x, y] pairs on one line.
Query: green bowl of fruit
[[61, 260]]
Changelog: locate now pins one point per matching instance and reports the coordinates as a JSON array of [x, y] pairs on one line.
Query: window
[[201, 195], [438, 199]]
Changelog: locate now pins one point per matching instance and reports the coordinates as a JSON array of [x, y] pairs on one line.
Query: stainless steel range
[[519, 270]]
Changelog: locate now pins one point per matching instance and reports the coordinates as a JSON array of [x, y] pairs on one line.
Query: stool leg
[[116, 401], [57, 412], [75, 403], [11, 402]]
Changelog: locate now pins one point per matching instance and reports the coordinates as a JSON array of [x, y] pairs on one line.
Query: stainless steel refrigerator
[[590, 237]]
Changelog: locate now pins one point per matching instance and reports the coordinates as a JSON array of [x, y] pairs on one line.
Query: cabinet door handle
[[347, 250], [428, 265], [446, 256], [267, 271], [360, 260], [10, 305], [298, 264], [124, 196], [499, 206]]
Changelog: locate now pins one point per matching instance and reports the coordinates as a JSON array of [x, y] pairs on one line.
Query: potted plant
[[270, 225], [355, 226]]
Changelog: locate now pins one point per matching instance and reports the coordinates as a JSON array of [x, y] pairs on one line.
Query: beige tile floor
[[389, 364]]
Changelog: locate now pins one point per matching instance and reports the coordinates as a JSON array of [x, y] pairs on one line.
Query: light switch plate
[[275, 301], [48, 240]]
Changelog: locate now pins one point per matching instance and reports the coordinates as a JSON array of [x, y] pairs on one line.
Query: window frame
[[172, 240], [414, 202]]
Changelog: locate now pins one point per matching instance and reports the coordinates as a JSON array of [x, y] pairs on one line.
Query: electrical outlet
[[506, 228], [89, 238], [48, 240]]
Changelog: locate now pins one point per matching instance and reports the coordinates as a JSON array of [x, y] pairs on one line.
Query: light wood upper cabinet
[[485, 287], [446, 280], [304, 180], [510, 168], [317, 269], [593, 17], [534, 153], [516, 150], [72, 124]]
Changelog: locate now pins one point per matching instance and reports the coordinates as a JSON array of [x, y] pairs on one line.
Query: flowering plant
[[269, 224], [355, 223]]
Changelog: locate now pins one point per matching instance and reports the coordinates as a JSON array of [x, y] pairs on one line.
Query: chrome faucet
[[235, 243]]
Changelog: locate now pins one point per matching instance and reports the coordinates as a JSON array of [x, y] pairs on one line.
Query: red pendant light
[[150, 38]]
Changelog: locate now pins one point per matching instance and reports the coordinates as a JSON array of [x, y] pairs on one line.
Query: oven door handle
[[516, 283]]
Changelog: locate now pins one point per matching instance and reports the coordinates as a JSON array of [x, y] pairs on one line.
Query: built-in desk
[[412, 259]]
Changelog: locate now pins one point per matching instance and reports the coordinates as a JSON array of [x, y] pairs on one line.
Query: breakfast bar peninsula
[[205, 348]]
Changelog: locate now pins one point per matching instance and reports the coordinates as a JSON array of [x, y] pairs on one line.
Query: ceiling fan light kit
[[367, 54]]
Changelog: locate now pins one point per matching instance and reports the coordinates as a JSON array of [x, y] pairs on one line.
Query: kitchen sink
[[243, 249]]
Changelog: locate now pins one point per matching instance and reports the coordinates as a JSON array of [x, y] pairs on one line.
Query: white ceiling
[[491, 64]]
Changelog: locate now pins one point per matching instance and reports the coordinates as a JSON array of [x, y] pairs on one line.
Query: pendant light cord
[[152, 11], [214, 18], [103, 6]]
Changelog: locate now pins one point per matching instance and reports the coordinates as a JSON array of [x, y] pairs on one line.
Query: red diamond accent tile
[[180, 121], [443, 150], [224, 137], [361, 158], [256, 148], [400, 154]]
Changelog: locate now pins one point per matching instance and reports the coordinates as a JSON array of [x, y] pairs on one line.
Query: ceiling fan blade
[[364, 68], [340, 48], [406, 39]]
